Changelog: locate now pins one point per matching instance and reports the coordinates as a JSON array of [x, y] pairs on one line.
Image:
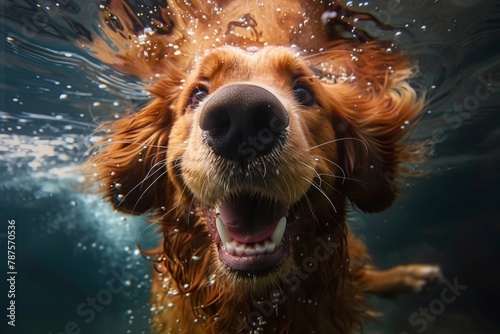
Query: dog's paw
[[418, 278]]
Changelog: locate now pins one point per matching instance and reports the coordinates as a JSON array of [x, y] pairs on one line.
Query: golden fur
[[345, 149]]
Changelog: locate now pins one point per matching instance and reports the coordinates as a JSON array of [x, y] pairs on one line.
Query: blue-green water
[[72, 248]]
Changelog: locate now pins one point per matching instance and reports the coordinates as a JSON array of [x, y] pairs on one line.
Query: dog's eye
[[303, 95], [197, 96]]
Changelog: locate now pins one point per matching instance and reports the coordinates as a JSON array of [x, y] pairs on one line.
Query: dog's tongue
[[249, 219]]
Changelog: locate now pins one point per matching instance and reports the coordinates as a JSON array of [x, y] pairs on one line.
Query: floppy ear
[[129, 164], [371, 151], [373, 113]]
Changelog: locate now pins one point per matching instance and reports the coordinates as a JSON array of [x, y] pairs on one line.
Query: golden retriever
[[270, 122]]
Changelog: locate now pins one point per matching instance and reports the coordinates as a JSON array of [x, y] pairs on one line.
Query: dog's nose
[[243, 122]]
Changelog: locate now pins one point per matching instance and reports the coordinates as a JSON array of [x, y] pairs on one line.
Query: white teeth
[[230, 247], [260, 248], [269, 246], [234, 247], [279, 231], [240, 249], [250, 251], [223, 232]]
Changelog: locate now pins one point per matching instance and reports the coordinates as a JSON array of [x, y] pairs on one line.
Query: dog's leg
[[414, 278]]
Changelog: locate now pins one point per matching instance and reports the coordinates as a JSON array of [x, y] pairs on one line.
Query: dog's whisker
[[149, 187], [139, 185], [340, 139], [336, 165], [152, 170], [142, 144], [148, 175], [154, 155], [323, 193], [314, 170], [344, 178], [329, 186]]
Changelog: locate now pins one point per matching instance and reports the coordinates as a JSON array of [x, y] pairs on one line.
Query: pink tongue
[[249, 219]]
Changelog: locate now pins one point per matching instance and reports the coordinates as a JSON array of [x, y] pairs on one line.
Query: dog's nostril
[[243, 122], [216, 123]]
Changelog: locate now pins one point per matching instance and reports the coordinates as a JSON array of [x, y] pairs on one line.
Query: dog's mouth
[[251, 232]]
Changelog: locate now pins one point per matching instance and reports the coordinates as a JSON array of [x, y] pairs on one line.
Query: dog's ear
[[129, 164], [373, 115], [370, 157]]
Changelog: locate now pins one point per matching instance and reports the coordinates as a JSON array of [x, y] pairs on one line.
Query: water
[[71, 245]]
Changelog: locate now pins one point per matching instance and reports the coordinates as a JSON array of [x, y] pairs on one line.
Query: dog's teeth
[[230, 247], [239, 249], [250, 251], [279, 231], [217, 210], [260, 248], [234, 247], [269, 246], [222, 230]]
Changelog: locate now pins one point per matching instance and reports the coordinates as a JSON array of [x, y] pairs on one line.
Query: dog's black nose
[[243, 122]]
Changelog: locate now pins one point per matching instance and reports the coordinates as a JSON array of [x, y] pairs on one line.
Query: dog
[[269, 123]]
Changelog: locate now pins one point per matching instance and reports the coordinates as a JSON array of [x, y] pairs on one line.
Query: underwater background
[[73, 250]]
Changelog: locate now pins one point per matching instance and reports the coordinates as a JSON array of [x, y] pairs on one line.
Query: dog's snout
[[243, 122]]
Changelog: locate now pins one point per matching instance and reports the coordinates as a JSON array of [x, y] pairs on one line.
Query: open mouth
[[251, 233]]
